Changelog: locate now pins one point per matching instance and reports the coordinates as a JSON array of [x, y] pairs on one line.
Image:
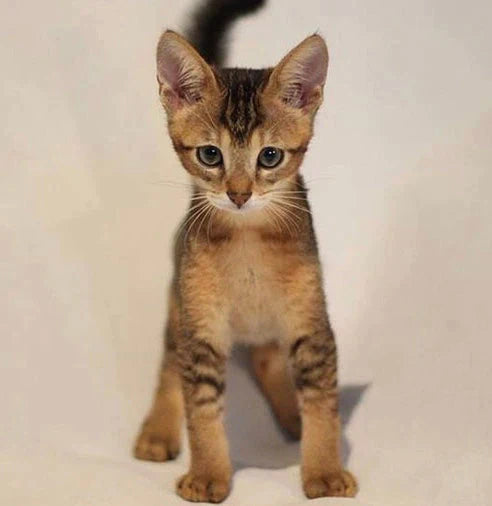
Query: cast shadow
[[255, 438]]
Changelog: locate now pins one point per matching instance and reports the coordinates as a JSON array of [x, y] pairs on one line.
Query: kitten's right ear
[[184, 77]]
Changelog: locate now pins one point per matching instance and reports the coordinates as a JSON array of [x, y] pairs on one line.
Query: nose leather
[[239, 198]]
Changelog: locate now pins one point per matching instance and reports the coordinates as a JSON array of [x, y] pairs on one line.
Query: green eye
[[270, 157], [210, 156]]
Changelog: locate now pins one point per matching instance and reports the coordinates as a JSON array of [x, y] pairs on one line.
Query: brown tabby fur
[[251, 276]]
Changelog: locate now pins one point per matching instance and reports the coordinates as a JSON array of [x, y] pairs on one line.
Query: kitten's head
[[241, 133]]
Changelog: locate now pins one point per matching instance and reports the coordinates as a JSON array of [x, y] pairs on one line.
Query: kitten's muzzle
[[239, 198]]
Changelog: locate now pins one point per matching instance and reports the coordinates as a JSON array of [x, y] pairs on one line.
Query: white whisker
[[288, 217], [295, 206], [285, 224], [202, 196], [173, 184], [209, 210], [273, 218], [199, 214], [212, 216]]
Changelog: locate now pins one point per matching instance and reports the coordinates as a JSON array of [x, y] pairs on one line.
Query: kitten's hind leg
[[271, 369], [160, 439]]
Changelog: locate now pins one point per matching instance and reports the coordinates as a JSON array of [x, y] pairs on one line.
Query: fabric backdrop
[[400, 176]]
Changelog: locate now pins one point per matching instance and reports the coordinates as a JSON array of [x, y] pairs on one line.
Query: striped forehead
[[241, 112]]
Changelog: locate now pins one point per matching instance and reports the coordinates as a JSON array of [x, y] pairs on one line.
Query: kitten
[[246, 260]]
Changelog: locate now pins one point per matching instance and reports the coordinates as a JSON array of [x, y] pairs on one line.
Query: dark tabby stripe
[[203, 352], [297, 344], [195, 378], [314, 363], [202, 365], [241, 111], [314, 366], [299, 150], [179, 147]]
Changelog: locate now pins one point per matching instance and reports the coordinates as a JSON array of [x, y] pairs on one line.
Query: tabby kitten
[[246, 260]]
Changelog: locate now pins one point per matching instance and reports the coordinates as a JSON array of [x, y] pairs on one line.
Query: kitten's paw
[[202, 488], [333, 484], [151, 445]]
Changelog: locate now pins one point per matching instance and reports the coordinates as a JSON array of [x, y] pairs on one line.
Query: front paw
[[155, 446], [330, 484], [203, 488]]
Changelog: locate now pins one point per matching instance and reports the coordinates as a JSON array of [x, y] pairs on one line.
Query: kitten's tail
[[211, 22]]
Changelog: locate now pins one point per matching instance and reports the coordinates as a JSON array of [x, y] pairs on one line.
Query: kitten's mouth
[[255, 203]]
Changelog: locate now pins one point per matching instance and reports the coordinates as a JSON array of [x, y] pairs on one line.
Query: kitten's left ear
[[299, 78]]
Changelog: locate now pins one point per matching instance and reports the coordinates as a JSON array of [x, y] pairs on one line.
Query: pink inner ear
[[305, 75], [179, 78], [315, 68], [168, 72]]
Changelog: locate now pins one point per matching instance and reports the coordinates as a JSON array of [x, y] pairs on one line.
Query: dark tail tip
[[210, 24]]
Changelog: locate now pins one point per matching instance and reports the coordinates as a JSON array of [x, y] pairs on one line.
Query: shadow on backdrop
[[255, 438]]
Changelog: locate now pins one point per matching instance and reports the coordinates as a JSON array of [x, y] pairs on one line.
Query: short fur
[[246, 264]]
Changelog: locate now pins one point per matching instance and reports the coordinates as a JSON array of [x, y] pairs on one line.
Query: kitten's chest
[[246, 271], [251, 284]]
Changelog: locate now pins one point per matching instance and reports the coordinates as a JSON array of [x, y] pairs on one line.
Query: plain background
[[400, 177]]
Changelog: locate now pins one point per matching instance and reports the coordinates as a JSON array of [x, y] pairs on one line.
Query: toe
[[202, 489], [155, 448], [333, 484]]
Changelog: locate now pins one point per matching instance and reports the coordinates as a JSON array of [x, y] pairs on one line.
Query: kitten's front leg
[[203, 375], [314, 364]]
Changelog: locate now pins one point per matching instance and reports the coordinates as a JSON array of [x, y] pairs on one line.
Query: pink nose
[[239, 198]]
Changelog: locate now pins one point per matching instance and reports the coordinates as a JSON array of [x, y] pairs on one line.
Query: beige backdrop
[[401, 178]]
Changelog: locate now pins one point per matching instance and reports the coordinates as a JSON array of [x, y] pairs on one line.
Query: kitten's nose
[[239, 198]]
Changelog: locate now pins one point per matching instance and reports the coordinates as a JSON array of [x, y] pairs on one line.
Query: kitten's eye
[[270, 157], [209, 155]]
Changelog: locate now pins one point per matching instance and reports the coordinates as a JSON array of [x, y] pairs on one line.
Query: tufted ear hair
[[184, 77], [298, 79]]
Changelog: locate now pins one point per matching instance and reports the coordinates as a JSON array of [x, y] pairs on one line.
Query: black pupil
[[210, 153]]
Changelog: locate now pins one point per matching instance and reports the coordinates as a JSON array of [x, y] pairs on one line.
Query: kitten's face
[[241, 151], [241, 134]]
